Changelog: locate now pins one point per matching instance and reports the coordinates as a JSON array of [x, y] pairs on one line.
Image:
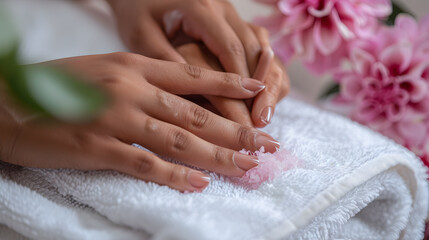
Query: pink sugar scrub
[[270, 166]]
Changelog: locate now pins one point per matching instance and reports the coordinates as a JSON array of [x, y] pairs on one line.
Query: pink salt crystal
[[270, 166]]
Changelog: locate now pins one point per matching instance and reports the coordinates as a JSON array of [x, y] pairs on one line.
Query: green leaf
[[334, 88], [8, 34], [397, 9], [45, 90], [58, 94]]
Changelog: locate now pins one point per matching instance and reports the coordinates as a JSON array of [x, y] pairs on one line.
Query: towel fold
[[350, 183]]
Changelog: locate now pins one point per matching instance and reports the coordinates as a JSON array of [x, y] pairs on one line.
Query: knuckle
[[165, 99], [143, 166], [245, 137], [8, 151], [235, 49], [173, 175], [199, 117], [178, 140], [193, 71], [85, 142], [254, 49], [124, 58], [272, 91], [261, 31], [150, 125], [219, 156], [230, 79]]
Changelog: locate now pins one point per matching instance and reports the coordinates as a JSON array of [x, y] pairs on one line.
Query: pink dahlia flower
[[388, 82], [317, 30]]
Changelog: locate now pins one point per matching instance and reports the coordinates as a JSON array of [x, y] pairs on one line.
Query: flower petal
[[417, 89], [319, 13], [407, 25], [350, 87], [342, 28], [287, 6], [413, 132], [397, 58], [361, 60], [376, 8], [326, 38]]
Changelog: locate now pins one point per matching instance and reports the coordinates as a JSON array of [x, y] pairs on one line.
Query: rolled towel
[[331, 179]]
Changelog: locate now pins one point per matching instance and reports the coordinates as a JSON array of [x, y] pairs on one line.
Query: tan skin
[[241, 47], [144, 109]]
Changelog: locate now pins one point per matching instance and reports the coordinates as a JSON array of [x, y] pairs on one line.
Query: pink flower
[[318, 30], [388, 82]]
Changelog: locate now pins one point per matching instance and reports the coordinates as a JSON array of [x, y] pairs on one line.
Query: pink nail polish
[[266, 115], [244, 161], [268, 143], [252, 85], [198, 180]]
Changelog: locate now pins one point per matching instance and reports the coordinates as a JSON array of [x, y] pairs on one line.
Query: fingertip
[[198, 181], [262, 117], [252, 85]]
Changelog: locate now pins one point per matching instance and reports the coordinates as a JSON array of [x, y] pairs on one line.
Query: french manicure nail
[[244, 161], [198, 180], [252, 85], [268, 143], [266, 115]]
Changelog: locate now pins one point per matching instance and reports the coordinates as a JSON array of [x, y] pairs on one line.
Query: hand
[[143, 111], [276, 81], [147, 27]]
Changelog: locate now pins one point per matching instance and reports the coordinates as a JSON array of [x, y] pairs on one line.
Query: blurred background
[[52, 29]]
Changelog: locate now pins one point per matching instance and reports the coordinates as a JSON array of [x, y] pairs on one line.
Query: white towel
[[351, 183]]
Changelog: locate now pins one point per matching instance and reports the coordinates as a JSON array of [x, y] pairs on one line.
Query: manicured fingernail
[[244, 161], [268, 143], [198, 180], [252, 85], [266, 115]]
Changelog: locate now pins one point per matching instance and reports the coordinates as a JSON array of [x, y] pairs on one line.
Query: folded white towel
[[350, 183]]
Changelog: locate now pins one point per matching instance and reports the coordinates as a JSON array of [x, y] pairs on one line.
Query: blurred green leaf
[[334, 88], [8, 34], [45, 90], [397, 9], [57, 94]]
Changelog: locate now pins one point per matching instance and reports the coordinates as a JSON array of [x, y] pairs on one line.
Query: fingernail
[[252, 85], [198, 180], [244, 161], [266, 115], [268, 143]]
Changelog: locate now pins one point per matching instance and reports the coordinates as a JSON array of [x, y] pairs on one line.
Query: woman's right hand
[[144, 110]]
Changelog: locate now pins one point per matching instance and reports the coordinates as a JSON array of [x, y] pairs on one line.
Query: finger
[[154, 46], [245, 33], [205, 24], [264, 104], [148, 167], [187, 79], [205, 124], [267, 55], [174, 142], [232, 109]]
